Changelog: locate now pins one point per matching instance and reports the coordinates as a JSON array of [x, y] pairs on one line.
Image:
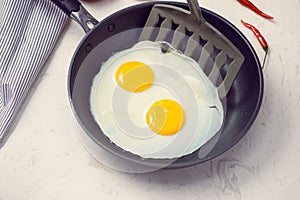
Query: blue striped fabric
[[29, 30]]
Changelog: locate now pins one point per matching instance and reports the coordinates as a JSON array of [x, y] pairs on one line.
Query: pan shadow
[[230, 170]]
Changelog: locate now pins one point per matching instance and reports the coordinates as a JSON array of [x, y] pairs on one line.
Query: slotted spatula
[[217, 56]]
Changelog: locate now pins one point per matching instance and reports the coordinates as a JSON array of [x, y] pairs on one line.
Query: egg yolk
[[134, 76], [165, 117]]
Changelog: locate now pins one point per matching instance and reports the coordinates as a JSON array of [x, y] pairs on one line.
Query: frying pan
[[120, 31]]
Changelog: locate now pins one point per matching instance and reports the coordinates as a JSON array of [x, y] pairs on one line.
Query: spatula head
[[190, 33]]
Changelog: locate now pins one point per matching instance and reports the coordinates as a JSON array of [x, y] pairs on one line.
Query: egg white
[[121, 114]]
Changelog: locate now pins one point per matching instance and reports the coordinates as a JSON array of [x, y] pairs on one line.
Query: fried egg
[[155, 104]]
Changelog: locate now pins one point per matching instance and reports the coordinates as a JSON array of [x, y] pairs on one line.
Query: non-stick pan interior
[[242, 102]]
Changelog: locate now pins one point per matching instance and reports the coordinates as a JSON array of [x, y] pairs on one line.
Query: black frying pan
[[243, 100]]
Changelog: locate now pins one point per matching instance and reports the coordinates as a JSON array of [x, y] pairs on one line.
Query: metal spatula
[[217, 56]]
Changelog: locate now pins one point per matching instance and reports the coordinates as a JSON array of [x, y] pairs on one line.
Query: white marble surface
[[44, 159]]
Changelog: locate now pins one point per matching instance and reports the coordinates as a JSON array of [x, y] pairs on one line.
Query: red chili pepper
[[259, 37], [251, 6]]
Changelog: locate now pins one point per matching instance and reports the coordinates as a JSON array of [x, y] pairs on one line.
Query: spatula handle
[[195, 9]]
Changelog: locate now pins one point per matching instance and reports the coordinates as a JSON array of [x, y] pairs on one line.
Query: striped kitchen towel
[[29, 30]]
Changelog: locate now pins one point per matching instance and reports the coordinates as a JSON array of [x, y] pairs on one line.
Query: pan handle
[[77, 12]]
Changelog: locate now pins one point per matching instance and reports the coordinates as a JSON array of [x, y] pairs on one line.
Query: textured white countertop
[[44, 159]]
